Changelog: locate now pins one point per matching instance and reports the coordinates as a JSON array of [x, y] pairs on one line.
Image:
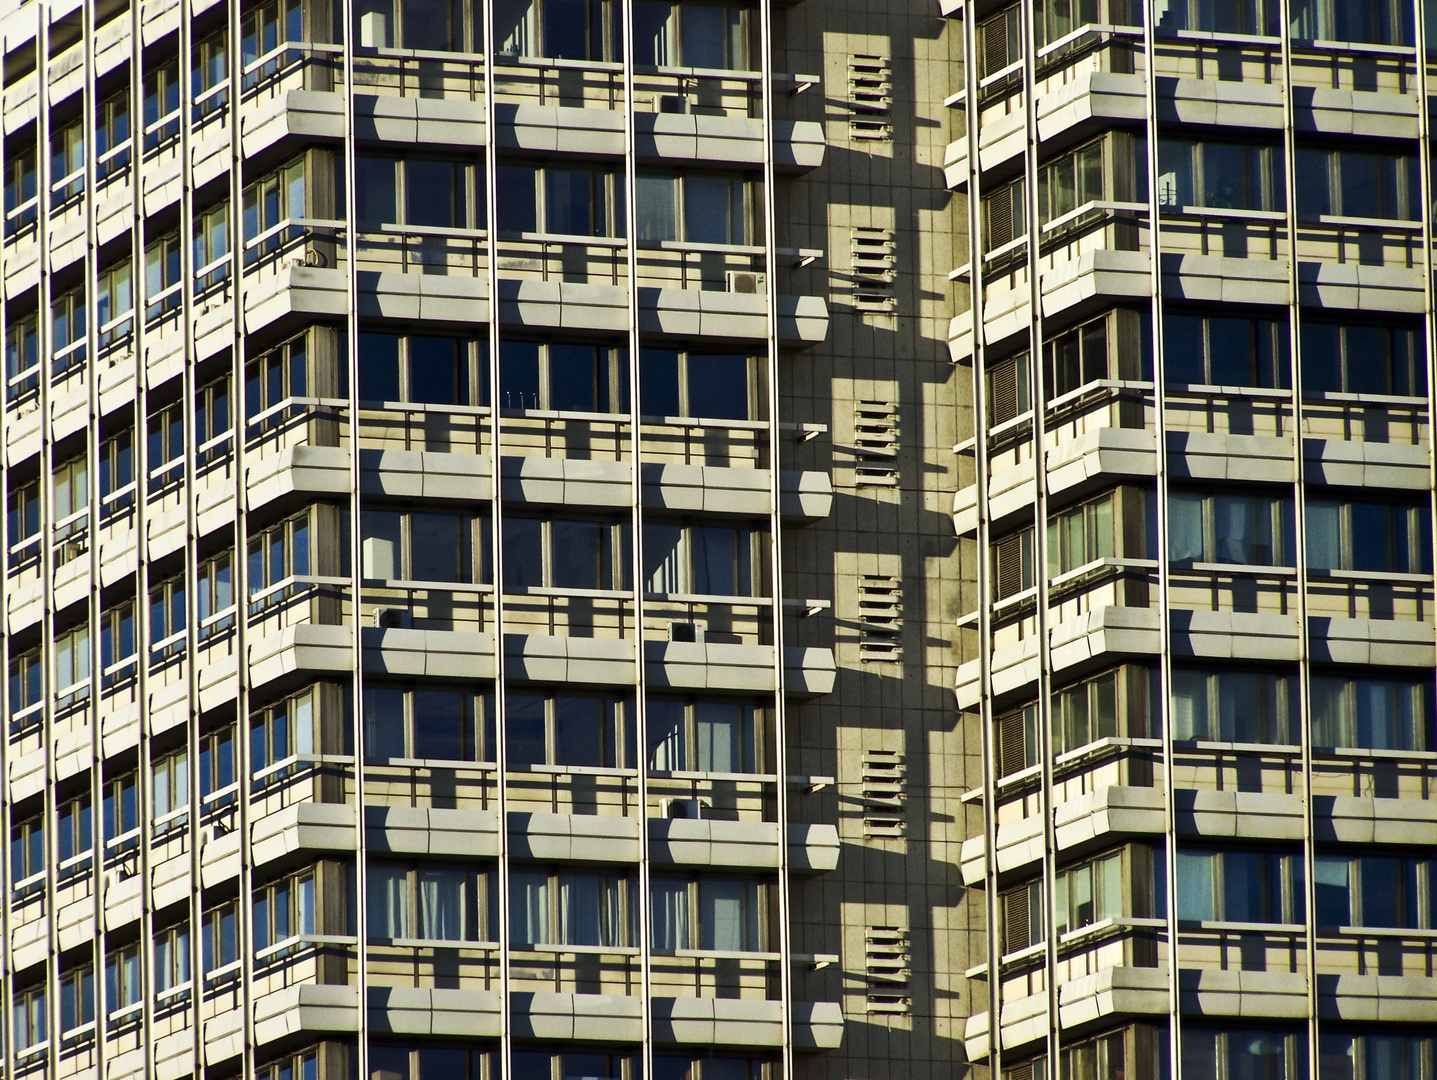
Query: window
[[419, 546], [713, 913], [67, 161], [26, 669], [1220, 351], [67, 331], [264, 28], [423, 369], [219, 943], [572, 908], [212, 419], [282, 731], [117, 471], [431, 903], [560, 553], [71, 493], [214, 595], [1234, 706], [120, 810], [1087, 712], [1356, 184], [1242, 17], [117, 640], [1238, 1053], [217, 761], [1081, 535], [72, 665], [563, 376], [1386, 1055], [1374, 890], [209, 74], [212, 246], [1377, 22], [123, 987], [268, 202], [696, 208], [430, 1062], [30, 1025], [112, 135], [1372, 713], [1356, 359], [166, 430], [427, 724], [1074, 180], [172, 958], [114, 304], [700, 560], [27, 850], [76, 828], [284, 909], [22, 356], [560, 200], [162, 102], [77, 997], [170, 793], [571, 29], [1073, 359], [1245, 530], [1014, 567], [434, 26], [1084, 894], [21, 187], [1375, 537], [567, 730], [419, 191], [1219, 175], [1102, 1058], [1240, 886], [716, 386], [703, 736], [278, 554], [279, 375], [23, 521], [167, 618], [162, 276], [670, 34]]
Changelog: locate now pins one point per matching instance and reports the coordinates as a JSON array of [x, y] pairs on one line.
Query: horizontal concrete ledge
[[734, 668], [534, 304], [424, 1011], [541, 837]]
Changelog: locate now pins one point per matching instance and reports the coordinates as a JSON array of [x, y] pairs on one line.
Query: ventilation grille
[[880, 619], [1003, 215], [875, 443], [870, 95], [886, 967], [875, 268], [1012, 558], [885, 794], [1013, 748], [1021, 908]]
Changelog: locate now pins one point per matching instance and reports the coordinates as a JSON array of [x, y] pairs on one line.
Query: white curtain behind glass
[[441, 904], [670, 921], [389, 902], [529, 908]]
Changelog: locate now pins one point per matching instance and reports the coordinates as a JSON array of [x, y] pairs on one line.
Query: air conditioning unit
[[688, 809], [748, 282], [671, 103], [393, 618], [686, 631]]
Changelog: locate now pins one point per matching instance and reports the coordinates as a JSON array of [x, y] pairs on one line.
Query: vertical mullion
[[1031, 12], [1299, 519], [636, 540], [1164, 583], [361, 876], [972, 121], [496, 545], [775, 547]]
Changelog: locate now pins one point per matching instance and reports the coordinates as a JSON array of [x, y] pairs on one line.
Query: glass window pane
[[524, 716]]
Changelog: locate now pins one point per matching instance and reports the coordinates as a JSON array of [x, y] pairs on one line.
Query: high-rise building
[[479, 581], [1200, 496]]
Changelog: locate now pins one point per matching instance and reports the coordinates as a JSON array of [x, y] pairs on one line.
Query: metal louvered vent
[[886, 968], [875, 268], [1012, 564], [1013, 750], [870, 95], [1000, 216], [885, 794], [875, 443], [880, 619]]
